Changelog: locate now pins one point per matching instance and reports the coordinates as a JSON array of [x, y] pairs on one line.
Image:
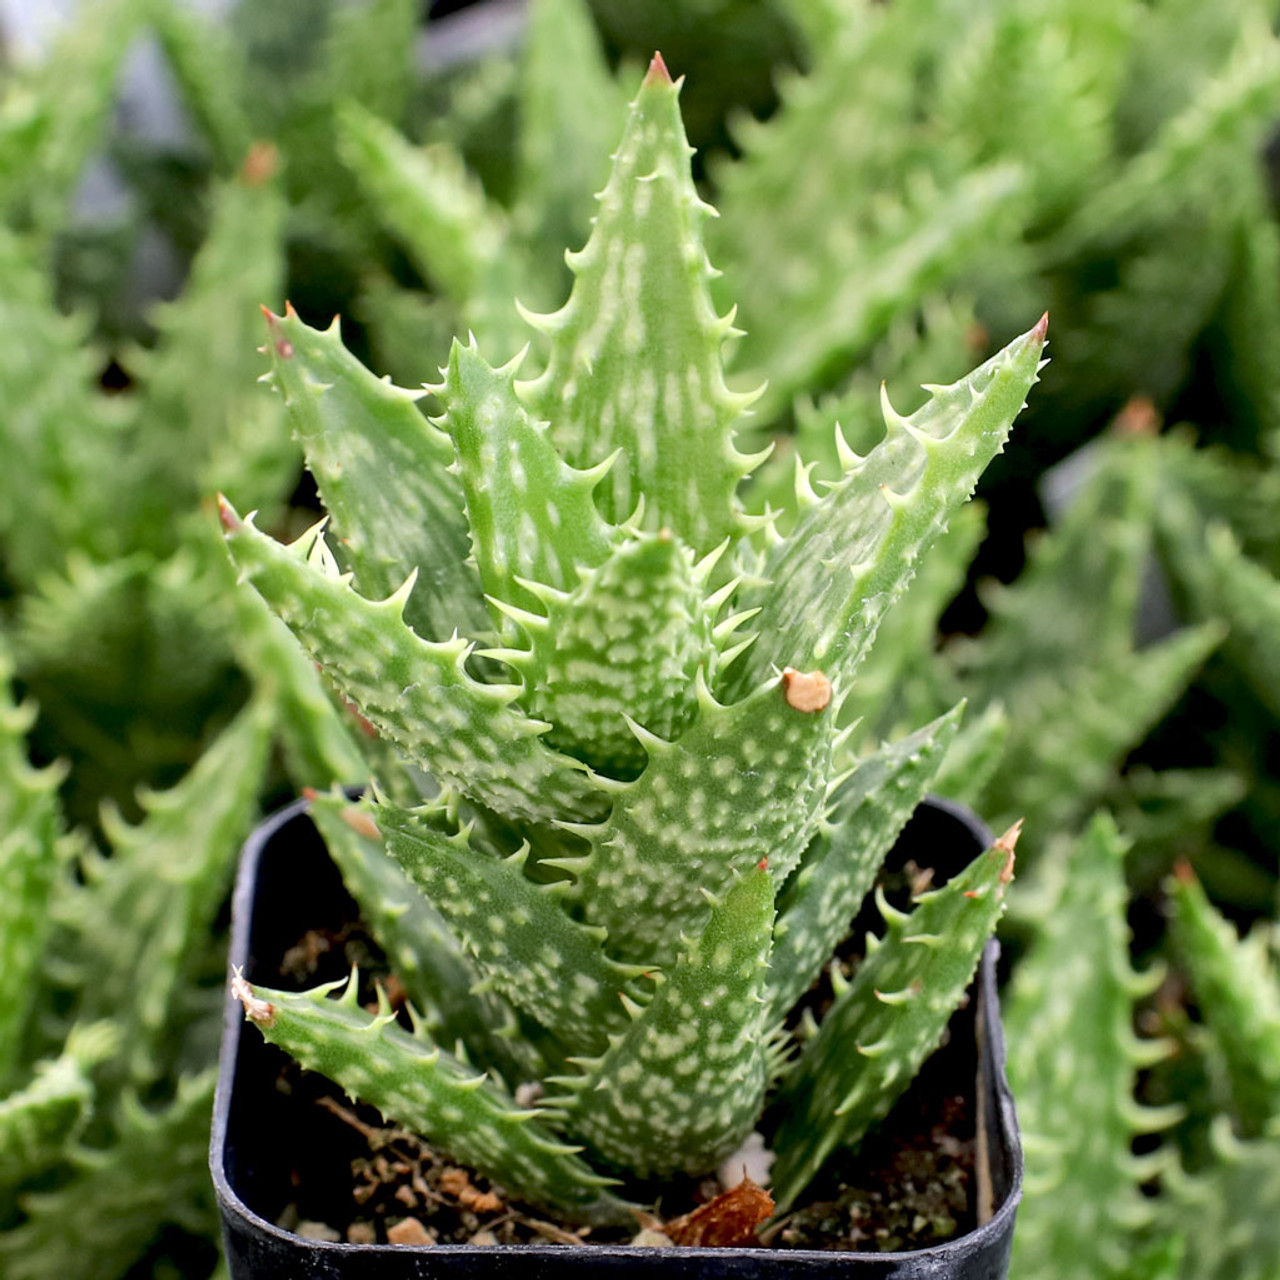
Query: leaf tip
[[263, 1012], [260, 164], [657, 73]]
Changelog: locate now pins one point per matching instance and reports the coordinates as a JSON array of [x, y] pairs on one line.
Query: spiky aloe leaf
[[939, 345], [1227, 583], [205, 425], [206, 61], [853, 552], [1237, 987], [1233, 1231], [39, 1123], [1054, 616], [900, 680], [140, 924], [415, 691], [29, 821], [866, 813], [743, 783], [370, 53], [1070, 730], [56, 114], [515, 929], [827, 256], [532, 517], [891, 1016], [641, 287], [443, 983], [624, 644], [682, 1086], [978, 751], [317, 742], [571, 113], [67, 464], [1193, 150], [456, 237], [383, 473], [418, 1085], [1072, 1052], [154, 1172]]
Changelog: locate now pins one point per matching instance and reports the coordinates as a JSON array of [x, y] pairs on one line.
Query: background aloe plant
[[1156, 112]]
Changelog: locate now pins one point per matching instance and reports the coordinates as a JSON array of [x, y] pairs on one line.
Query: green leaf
[[682, 1087], [1073, 1053], [455, 236], [571, 113], [370, 51], [416, 692], [206, 426], [1236, 984], [424, 952], [208, 66], [418, 1085], [742, 783], [516, 930], [1193, 151], [39, 1123], [866, 813], [641, 287], [67, 467], [1233, 1230], [29, 823], [624, 644], [1070, 730], [383, 473], [532, 518], [119, 1197], [141, 922], [886, 1022], [853, 551], [56, 114]]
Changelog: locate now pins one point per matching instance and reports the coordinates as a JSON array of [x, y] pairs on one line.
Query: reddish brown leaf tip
[[269, 316], [289, 310], [1006, 844], [1139, 417], [763, 864], [658, 73], [309, 794], [226, 513], [256, 1010], [1040, 332], [260, 164], [1183, 873]]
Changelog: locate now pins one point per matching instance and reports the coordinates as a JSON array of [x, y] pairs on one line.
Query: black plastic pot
[[287, 885]]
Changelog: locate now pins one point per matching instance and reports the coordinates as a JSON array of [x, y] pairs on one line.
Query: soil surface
[[352, 1177]]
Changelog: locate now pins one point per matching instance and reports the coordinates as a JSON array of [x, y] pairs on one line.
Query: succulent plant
[[646, 828]]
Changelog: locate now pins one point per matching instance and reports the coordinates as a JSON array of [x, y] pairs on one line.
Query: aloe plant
[[648, 829]]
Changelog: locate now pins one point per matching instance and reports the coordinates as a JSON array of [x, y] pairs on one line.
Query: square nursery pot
[[261, 1136]]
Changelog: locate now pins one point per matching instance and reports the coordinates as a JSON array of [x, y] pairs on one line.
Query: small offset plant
[[646, 827]]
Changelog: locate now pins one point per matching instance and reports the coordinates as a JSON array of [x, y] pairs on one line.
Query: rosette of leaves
[[648, 829]]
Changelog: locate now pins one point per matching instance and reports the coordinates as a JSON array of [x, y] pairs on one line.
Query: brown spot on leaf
[[729, 1221], [807, 691]]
